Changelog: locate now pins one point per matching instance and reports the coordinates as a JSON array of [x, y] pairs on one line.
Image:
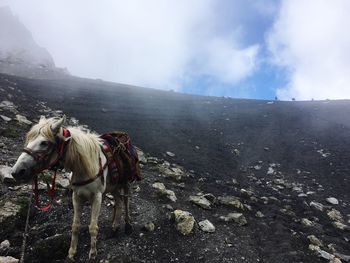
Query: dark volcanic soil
[[220, 139]]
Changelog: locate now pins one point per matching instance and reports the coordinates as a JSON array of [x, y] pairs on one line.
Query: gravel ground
[[276, 157]]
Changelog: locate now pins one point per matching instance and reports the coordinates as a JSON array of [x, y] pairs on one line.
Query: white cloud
[[310, 40], [152, 43]]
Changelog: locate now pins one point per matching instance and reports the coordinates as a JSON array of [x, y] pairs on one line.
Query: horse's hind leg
[[93, 227], [117, 210], [75, 227], [126, 197]]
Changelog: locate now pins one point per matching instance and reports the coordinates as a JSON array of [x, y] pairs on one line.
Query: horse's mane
[[83, 151]]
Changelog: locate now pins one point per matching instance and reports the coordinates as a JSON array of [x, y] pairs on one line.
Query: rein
[[42, 157]]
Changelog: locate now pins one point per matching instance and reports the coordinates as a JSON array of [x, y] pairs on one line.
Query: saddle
[[122, 158]]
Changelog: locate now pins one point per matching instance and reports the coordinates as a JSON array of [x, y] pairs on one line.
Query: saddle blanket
[[122, 158]]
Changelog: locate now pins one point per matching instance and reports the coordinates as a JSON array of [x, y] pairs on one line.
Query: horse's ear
[[55, 127], [42, 118]]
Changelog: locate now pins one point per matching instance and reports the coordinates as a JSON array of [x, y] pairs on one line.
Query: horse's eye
[[44, 143]]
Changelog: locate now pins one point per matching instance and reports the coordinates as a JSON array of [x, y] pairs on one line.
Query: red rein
[[51, 190]]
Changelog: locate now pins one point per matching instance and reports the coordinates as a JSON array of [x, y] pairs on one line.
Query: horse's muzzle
[[21, 175]]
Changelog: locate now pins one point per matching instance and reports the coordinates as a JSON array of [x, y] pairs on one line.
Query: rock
[[8, 210], [306, 222], [5, 118], [314, 240], [317, 206], [332, 200], [8, 259], [238, 218], [8, 105], [210, 197], [270, 171], [149, 227], [235, 182], [257, 167], [163, 192], [141, 155], [184, 221], [206, 226], [259, 214], [346, 258], [170, 154], [335, 215], [158, 186], [325, 255], [5, 175], [63, 182], [4, 246], [335, 260], [231, 201], [340, 225], [200, 201], [23, 120]]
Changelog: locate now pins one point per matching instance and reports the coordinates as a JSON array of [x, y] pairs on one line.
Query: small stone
[[332, 200], [8, 259], [314, 240], [206, 226], [259, 214], [238, 218], [5, 175], [335, 260], [325, 255], [335, 215], [235, 182], [158, 186], [5, 118], [257, 167], [200, 201], [4, 245], [306, 222], [231, 201], [340, 225], [23, 120], [184, 221], [149, 227], [317, 206], [170, 154]]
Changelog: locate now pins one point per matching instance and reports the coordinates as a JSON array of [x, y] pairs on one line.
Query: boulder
[[238, 218], [206, 226], [184, 221], [5, 175], [200, 201]]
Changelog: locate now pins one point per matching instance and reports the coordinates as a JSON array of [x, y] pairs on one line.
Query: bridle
[[43, 163]]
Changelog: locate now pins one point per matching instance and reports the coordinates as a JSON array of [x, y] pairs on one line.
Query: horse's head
[[41, 151]]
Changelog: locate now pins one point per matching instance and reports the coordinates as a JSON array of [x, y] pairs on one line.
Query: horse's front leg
[[93, 227], [75, 226]]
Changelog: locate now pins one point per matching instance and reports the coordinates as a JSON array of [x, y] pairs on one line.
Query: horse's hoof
[[128, 229], [92, 255]]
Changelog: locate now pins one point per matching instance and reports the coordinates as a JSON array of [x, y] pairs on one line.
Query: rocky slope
[[20, 55], [224, 180]]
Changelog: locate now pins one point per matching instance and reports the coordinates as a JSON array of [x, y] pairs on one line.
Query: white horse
[[48, 144]]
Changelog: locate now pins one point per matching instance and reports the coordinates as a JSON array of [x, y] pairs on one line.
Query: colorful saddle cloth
[[122, 158]]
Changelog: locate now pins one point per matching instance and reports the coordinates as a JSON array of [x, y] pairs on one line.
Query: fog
[[158, 44]]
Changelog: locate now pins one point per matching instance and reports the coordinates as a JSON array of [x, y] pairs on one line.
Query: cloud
[[154, 43], [310, 40]]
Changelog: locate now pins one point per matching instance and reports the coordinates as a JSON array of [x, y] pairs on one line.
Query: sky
[[238, 48]]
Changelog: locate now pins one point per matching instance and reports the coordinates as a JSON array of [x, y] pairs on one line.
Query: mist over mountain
[[20, 54]]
